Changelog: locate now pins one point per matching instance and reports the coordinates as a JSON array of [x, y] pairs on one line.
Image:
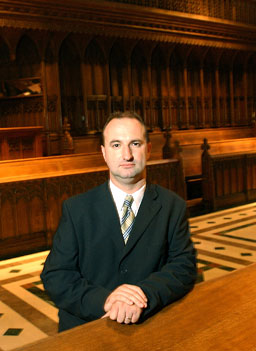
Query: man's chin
[[129, 176]]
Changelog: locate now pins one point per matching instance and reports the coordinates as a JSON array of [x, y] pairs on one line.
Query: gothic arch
[[140, 84], [177, 103], [117, 70], [27, 58], [159, 87], [95, 63], [70, 85], [4, 63]]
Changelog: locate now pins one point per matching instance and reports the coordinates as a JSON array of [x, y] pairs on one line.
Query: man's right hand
[[124, 313], [130, 294]]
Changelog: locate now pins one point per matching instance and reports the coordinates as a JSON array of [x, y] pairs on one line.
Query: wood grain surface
[[217, 315]]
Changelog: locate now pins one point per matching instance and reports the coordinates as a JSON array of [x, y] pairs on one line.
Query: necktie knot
[[127, 217], [128, 201]]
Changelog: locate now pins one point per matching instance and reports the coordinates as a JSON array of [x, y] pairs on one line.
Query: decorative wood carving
[[97, 57], [20, 142]]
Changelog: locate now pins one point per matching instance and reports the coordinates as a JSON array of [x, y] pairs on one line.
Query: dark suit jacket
[[88, 259]]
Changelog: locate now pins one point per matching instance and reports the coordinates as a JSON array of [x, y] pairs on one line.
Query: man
[[124, 260]]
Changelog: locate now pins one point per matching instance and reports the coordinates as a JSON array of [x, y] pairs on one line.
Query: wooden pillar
[[210, 97], [231, 87], [169, 126], [217, 82], [130, 88], [245, 89], [45, 109], [108, 88], [185, 75], [202, 123], [58, 106], [152, 119], [84, 92]]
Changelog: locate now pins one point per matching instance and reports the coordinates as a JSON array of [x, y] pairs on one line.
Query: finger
[[114, 298], [136, 316], [138, 291], [133, 293], [127, 320], [121, 314], [113, 313], [128, 316], [105, 315], [131, 300]]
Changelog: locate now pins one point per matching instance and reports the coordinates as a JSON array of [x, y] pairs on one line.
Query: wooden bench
[[32, 192], [190, 142], [228, 173]]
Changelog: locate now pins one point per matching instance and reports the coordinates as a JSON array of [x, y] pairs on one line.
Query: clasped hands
[[125, 304]]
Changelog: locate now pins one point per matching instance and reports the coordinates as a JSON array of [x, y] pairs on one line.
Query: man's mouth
[[127, 165]]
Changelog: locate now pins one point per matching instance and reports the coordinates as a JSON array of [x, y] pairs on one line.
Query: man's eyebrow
[[114, 141], [131, 141], [136, 140]]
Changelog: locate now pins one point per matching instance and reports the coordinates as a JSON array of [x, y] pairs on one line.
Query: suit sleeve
[[62, 278], [177, 277]]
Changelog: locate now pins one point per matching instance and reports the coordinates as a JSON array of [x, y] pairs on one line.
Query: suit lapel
[[148, 209], [107, 211], [109, 216]]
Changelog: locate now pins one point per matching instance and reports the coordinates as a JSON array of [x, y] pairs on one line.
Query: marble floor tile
[[16, 331]]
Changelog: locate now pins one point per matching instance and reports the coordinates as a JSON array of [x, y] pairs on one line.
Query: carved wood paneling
[[30, 210], [20, 142], [179, 72]]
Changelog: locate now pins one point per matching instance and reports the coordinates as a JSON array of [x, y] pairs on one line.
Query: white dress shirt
[[119, 196]]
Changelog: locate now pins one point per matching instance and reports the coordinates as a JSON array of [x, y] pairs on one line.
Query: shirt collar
[[119, 196]]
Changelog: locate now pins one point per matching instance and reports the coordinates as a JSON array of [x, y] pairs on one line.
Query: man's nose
[[127, 153]]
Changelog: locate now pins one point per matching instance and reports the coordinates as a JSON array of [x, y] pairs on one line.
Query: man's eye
[[116, 145], [136, 144]]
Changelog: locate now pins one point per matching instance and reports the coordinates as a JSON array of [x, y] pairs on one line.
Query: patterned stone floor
[[225, 241]]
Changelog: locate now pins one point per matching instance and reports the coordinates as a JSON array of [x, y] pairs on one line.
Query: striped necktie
[[127, 217]]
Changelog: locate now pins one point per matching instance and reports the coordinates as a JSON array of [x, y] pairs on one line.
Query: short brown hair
[[120, 115]]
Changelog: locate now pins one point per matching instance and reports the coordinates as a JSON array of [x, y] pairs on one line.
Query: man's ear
[[103, 151], [149, 148]]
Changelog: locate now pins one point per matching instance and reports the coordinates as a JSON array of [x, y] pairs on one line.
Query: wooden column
[[185, 75], [108, 88], [217, 81], [130, 89], [202, 96], [152, 119], [210, 97], [84, 92], [169, 102], [245, 89], [45, 111], [231, 87], [58, 106]]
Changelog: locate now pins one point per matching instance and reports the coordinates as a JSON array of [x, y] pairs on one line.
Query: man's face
[[125, 150]]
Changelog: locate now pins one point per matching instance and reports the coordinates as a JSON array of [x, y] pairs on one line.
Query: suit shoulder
[[87, 196], [168, 194]]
